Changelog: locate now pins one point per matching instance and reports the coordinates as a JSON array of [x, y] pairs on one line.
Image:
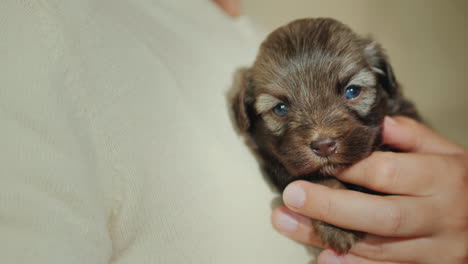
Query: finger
[[330, 257], [401, 173], [371, 247], [295, 226], [393, 249], [408, 135], [300, 228], [394, 216]]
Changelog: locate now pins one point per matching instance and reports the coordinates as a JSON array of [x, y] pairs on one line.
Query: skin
[[425, 221], [230, 7]]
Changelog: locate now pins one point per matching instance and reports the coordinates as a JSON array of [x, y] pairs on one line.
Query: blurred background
[[426, 40]]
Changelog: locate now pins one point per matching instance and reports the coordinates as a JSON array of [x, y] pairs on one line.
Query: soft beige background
[[427, 42]]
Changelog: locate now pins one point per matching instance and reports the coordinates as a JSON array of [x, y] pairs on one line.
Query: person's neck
[[230, 7]]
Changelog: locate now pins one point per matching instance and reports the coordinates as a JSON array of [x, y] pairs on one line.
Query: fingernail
[[390, 120], [285, 222], [294, 196]]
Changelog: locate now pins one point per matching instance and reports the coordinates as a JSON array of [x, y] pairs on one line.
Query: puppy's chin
[[324, 166], [311, 164], [333, 169]]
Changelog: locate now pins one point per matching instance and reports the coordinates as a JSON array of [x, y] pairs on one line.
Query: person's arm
[[424, 221], [52, 206]]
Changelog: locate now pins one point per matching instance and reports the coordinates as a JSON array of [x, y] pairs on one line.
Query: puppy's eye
[[280, 110], [352, 92]]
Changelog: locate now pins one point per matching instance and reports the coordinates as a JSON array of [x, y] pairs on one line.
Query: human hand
[[424, 221]]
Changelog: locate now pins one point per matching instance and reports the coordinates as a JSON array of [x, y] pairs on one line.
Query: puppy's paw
[[340, 240]]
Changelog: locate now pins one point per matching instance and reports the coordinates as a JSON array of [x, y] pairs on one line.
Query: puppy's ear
[[239, 98], [396, 103], [379, 62]]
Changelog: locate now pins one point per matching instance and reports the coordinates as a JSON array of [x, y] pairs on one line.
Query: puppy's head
[[315, 97]]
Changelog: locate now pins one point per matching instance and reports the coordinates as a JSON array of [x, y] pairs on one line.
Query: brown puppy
[[313, 103]]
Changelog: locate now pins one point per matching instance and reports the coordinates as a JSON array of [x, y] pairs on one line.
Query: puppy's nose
[[324, 147]]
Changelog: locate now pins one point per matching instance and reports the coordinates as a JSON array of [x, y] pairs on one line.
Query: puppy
[[313, 103]]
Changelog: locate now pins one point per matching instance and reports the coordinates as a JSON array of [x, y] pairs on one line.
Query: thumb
[[409, 135]]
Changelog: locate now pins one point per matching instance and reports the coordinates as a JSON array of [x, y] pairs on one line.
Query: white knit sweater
[[115, 142]]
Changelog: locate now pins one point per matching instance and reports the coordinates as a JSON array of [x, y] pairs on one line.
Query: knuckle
[[392, 220], [460, 172], [386, 169], [462, 182], [460, 252], [376, 252], [325, 210], [413, 125], [379, 252], [459, 222]]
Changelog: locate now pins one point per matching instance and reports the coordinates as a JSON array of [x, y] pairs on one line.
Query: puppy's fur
[[307, 65]]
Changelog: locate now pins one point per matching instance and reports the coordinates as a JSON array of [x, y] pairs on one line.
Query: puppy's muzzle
[[324, 147]]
